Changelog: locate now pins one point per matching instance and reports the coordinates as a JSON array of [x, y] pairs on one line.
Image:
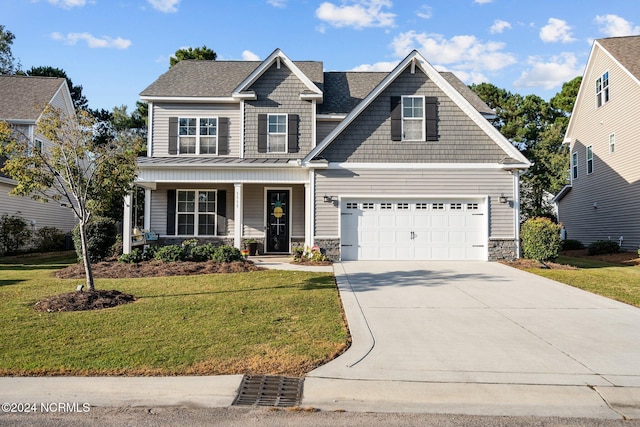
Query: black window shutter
[[223, 135], [221, 211], [292, 133], [262, 133], [431, 119], [173, 135], [171, 212], [396, 118]]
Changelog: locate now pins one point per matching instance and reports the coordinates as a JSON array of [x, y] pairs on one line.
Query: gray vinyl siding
[[60, 101], [413, 183], [368, 137], [615, 182], [162, 112], [159, 204], [278, 91], [323, 128], [49, 214]]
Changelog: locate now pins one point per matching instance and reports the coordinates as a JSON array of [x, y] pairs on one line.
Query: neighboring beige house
[[368, 166], [22, 100], [602, 202]]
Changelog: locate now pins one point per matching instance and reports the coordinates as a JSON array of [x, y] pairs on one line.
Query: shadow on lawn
[[308, 285], [9, 282]]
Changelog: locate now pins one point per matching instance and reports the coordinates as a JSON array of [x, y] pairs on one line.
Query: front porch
[[275, 215]]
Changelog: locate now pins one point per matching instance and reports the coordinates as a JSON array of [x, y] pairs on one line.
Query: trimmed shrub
[[203, 252], [540, 239], [227, 253], [603, 247], [571, 245], [101, 235], [14, 233], [170, 253], [134, 257], [49, 239]]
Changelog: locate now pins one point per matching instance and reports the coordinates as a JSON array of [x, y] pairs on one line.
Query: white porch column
[[147, 209], [126, 225], [310, 208], [238, 215]]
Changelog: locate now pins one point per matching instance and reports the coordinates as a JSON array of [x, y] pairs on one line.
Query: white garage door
[[378, 229]]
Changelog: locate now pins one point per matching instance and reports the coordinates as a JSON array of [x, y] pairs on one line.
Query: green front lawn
[[611, 280], [264, 322]]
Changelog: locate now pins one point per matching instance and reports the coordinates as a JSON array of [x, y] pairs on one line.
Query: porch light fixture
[[503, 198], [328, 199]]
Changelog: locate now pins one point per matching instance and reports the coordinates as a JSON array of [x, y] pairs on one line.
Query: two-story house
[[366, 165], [601, 201], [22, 101]]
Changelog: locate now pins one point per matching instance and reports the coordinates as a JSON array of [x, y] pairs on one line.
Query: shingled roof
[[23, 98], [199, 78], [342, 90], [626, 50]]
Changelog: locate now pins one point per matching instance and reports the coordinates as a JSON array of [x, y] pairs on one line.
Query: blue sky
[[116, 48]]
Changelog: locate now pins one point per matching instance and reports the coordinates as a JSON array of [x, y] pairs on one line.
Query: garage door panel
[[409, 229]]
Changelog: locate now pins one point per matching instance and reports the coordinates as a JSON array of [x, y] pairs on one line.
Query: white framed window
[[437, 206], [589, 159], [386, 206], [413, 126], [196, 212], [198, 135], [352, 205], [276, 133], [574, 165], [602, 89], [612, 143], [455, 206]]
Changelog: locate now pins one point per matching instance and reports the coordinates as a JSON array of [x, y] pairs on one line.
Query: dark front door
[[278, 221]]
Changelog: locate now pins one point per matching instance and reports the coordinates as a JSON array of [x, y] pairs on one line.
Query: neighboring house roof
[[626, 50], [23, 98], [214, 79], [415, 59]]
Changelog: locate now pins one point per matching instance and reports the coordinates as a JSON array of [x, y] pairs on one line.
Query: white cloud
[[615, 26], [277, 3], [556, 30], [378, 66], [68, 4], [247, 55], [92, 42], [359, 14], [460, 52], [425, 12], [551, 74], [499, 26], [166, 6], [483, 1]]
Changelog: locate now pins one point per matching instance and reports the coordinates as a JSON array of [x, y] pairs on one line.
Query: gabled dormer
[[279, 107]]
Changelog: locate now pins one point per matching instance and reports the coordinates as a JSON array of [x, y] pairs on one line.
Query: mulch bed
[[119, 270], [623, 258], [84, 300]]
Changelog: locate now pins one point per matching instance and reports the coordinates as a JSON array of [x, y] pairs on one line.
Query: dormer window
[[602, 90], [277, 133], [413, 118]]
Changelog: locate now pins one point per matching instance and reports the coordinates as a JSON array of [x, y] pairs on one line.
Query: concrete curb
[[199, 392]]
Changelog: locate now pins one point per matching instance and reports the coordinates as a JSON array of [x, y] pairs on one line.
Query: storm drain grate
[[264, 390]]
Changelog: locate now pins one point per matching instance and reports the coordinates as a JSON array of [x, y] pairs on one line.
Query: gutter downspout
[[516, 209]]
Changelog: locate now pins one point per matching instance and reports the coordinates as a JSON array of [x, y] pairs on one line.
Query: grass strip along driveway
[[612, 280], [262, 322]]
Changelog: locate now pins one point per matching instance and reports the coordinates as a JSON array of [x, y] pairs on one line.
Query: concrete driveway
[[479, 337]]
